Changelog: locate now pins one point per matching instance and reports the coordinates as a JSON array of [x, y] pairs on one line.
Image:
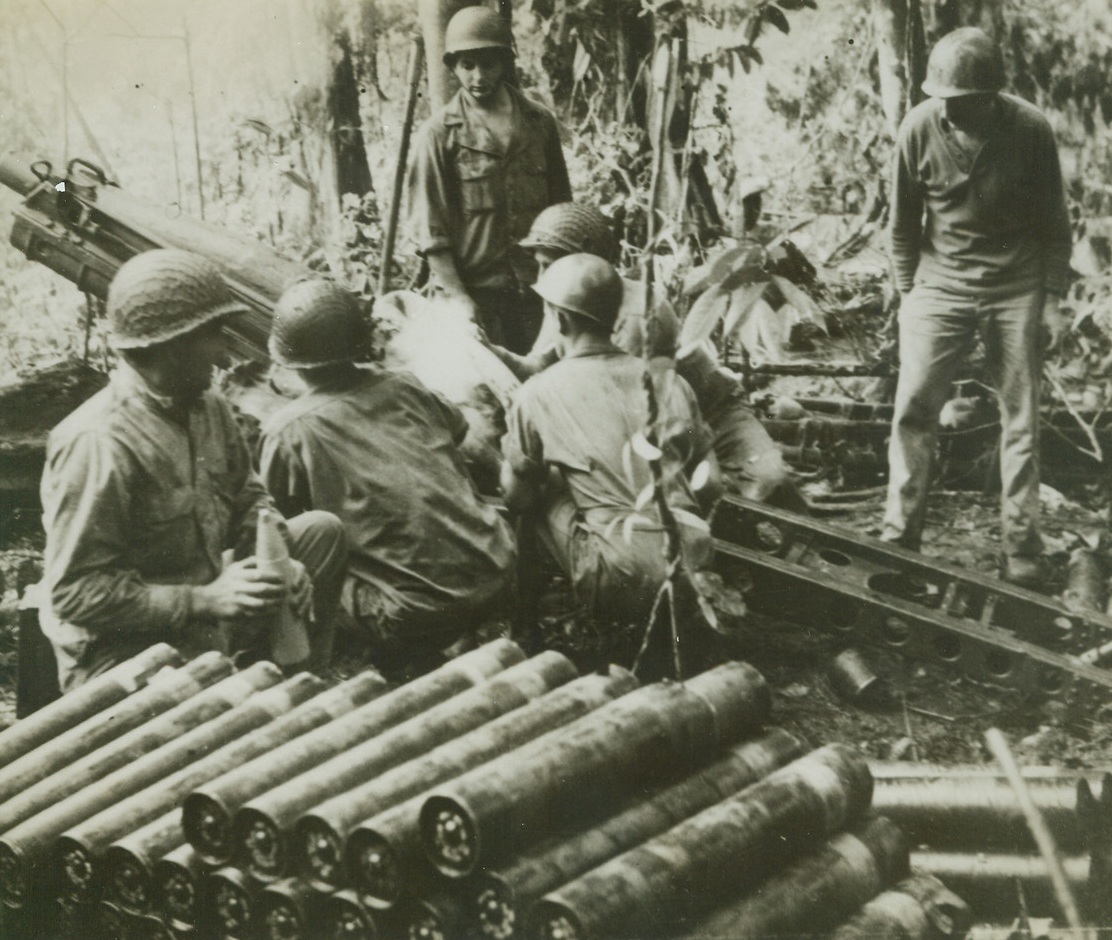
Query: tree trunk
[[901, 57], [433, 16], [349, 156], [947, 15]]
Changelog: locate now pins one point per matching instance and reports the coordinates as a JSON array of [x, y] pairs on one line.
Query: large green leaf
[[704, 316], [729, 269], [742, 301], [802, 301]]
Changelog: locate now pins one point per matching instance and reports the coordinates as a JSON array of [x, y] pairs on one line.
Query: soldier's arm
[[86, 494]]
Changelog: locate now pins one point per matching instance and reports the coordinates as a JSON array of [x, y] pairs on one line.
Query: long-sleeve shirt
[[141, 497], [996, 222], [474, 196], [576, 421], [381, 451]]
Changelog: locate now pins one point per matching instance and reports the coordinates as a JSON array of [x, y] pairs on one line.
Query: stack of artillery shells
[[966, 827], [497, 796]]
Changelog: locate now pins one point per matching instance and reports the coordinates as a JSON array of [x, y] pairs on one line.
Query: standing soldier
[[483, 168], [980, 244], [149, 482]]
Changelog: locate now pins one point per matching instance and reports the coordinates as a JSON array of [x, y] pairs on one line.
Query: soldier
[[483, 167], [751, 463], [571, 463], [429, 561], [149, 482], [980, 244]]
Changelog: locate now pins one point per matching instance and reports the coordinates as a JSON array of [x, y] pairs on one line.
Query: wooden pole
[[413, 78], [998, 745]]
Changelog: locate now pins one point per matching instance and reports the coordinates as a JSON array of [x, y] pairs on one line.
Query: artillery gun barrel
[[983, 813], [988, 881]]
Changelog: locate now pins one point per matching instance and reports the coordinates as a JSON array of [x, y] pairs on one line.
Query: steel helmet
[[164, 293], [317, 323], [964, 62], [584, 284], [572, 227], [476, 28]]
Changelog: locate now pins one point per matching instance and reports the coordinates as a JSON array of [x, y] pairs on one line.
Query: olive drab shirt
[[470, 195], [381, 451], [140, 498], [998, 222], [579, 417]]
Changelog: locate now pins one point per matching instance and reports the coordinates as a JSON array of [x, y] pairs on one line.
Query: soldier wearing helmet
[[150, 482], [751, 462], [483, 168], [570, 466], [980, 243], [429, 562]]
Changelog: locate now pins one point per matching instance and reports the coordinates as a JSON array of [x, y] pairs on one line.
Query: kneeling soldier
[[149, 483], [429, 560]]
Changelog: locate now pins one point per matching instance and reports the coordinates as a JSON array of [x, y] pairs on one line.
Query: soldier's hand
[[1053, 324], [301, 592], [241, 589]]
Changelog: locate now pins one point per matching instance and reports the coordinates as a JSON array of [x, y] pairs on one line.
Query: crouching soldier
[[483, 167], [149, 483], [429, 561], [574, 462], [750, 461]]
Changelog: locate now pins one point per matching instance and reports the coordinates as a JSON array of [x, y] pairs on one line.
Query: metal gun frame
[[854, 584]]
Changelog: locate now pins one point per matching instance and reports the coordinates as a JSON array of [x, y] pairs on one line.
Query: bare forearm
[[443, 267]]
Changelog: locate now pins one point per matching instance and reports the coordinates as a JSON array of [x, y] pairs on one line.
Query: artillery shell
[[587, 768], [115, 922], [207, 812], [988, 882], [715, 855], [817, 891], [342, 915], [261, 829], [384, 854], [980, 813], [918, 908], [160, 752], [319, 836], [177, 886], [501, 898], [228, 903], [122, 725], [47, 725], [287, 910], [79, 849], [440, 915]]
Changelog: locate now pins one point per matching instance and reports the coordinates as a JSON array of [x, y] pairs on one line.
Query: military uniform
[[475, 196]]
